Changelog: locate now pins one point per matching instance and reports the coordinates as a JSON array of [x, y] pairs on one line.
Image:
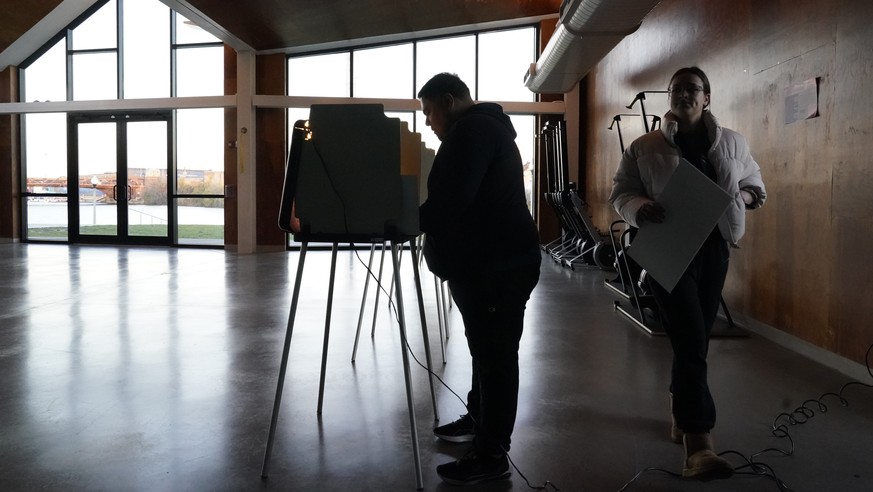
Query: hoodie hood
[[492, 110]]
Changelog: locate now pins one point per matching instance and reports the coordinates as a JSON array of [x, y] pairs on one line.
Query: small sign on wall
[[801, 101]]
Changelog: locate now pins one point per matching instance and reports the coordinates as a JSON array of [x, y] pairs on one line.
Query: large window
[[431, 59], [318, 76], [94, 55], [503, 58], [146, 37], [200, 175], [45, 211], [384, 72], [126, 49]]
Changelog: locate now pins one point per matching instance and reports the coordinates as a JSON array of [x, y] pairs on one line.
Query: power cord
[[393, 307], [800, 415]]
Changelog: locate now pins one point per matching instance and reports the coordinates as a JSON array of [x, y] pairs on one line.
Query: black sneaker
[[474, 468], [461, 430]]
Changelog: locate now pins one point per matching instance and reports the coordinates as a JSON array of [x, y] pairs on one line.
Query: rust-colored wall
[[270, 152], [10, 185], [803, 264], [231, 180]]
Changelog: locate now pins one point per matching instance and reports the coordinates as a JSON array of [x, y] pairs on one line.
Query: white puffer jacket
[[649, 162]]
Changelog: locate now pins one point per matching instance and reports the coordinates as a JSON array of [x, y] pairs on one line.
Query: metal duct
[[587, 31]]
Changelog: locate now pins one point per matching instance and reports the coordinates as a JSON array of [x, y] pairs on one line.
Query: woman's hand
[[753, 196], [651, 212]]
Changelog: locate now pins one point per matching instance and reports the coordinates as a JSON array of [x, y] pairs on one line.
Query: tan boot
[[676, 434], [701, 462]]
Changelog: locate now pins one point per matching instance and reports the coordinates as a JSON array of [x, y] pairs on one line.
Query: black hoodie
[[476, 217]]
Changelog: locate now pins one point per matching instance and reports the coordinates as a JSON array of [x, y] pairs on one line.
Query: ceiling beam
[[207, 24], [38, 35]]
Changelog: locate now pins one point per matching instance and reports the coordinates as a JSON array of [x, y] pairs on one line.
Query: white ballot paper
[[692, 203]]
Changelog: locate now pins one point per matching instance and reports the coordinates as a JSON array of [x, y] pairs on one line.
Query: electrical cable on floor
[[781, 423]]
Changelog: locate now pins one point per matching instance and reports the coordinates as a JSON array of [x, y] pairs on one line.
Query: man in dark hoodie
[[480, 237]]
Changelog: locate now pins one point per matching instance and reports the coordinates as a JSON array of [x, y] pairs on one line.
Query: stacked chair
[[580, 242]]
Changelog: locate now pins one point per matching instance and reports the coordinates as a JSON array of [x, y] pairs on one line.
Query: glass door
[[121, 191]]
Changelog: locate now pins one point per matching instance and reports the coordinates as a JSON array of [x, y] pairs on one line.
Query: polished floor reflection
[[155, 369]]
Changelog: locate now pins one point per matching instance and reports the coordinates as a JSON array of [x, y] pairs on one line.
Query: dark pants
[[688, 313], [492, 306]]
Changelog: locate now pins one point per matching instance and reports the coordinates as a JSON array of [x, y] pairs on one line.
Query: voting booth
[[354, 176]]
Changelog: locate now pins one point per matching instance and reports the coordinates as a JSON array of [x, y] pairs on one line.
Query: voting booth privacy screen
[[353, 174]]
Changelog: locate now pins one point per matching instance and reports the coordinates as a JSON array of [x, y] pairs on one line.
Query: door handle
[[115, 193], [128, 192]]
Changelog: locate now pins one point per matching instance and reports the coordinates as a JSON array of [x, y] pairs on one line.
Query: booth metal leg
[[406, 372], [277, 401], [728, 328], [447, 303], [423, 315], [364, 300], [393, 277], [327, 327], [404, 346], [440, 320], [378, 291]]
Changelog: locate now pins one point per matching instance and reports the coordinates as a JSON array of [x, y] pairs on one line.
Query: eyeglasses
[[678, 90]]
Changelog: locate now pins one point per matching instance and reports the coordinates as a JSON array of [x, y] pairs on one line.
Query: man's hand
[[651, 212]]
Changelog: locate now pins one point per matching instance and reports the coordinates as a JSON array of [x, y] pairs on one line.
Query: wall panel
[[271, 139], [10, 186], [231, 180], [801, 268]]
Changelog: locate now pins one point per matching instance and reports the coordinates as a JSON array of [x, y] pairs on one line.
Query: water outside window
[[200, 175], [46, 175]]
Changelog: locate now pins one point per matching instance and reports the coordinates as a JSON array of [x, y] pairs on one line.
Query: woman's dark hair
[[693, 71], [444, 83]]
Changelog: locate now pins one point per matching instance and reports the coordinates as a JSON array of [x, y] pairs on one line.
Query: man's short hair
[[444, 83]]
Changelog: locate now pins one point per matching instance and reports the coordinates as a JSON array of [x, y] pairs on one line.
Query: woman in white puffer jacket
[[690, 132]]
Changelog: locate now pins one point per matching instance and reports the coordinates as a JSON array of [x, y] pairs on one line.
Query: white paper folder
[[693, 204]]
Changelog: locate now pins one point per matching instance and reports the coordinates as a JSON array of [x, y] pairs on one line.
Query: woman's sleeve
[[750, 176], [628, 193]]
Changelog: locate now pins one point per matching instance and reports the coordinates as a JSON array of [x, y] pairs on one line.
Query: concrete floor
[[155, 369]]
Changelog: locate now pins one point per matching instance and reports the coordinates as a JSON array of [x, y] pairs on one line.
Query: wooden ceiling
[[277, 25], [282, 24], [17, 17]]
